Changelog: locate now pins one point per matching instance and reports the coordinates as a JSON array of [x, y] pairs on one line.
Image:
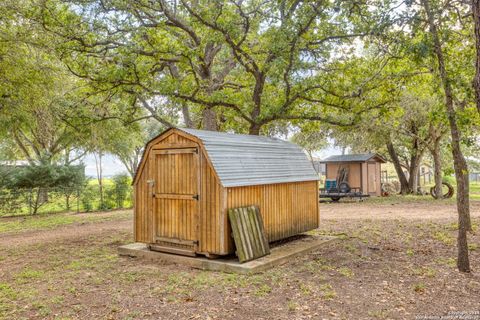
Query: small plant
[[133, 315], [175, 280], [29, 274], [306, 290], [327, 292], [57, 300], [131, 276], [419, 287], [472, 247], [425, 271], [379, 314], [350, 248], [447, 261], [346, 272], [317, 265], [7, 291], [201, 280], [410, 252], [474, 227], [292, 305], [43, 310], [444, 237], [310, 266], [453, 226], [263, 290]]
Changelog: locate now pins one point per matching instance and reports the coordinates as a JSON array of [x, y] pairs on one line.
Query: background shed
[[188, 179], [364, 171]]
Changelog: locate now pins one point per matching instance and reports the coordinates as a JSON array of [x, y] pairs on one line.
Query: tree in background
[[242, 64], [311, 137], [475, 7], [40, 177], [403, 133], [35, 89], [127, 144], [121, 184], [436, 25]]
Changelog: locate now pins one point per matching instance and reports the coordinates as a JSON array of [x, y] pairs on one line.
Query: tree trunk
[[209, 119], [129, 164], [186, 116], [310, 156], [37, 199], [99, 167], [414, 168], [476, 79], [254, 129], [67, 201], [459, 163], [404, 188], [413, 175], [437, 160]]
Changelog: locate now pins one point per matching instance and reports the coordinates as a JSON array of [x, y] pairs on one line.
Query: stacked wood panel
[[249, 233]]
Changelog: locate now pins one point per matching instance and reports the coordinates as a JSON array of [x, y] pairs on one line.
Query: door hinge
[[196, 197]]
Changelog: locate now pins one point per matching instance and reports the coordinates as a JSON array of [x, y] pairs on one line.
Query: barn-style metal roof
[[245, 160], [362, 157]]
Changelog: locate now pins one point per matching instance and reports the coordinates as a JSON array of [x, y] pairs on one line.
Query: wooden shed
[[364, 171], [188, 179]]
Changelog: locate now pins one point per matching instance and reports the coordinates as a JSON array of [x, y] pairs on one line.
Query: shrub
[[121, 183], [88, 196]]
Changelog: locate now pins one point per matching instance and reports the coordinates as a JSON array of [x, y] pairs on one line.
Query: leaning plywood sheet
[[248, 233]]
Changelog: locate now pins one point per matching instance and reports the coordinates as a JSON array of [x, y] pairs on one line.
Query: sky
[[111, 166]]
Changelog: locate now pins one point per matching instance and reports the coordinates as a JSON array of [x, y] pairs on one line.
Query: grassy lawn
[[51, 221], [377, 269], [82, 200], [475, 190]]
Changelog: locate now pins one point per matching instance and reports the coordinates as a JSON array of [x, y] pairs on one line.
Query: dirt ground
[[392, 260], [414, 210], [64, 233]]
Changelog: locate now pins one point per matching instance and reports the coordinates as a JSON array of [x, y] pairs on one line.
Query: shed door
[[372, 177], [176, 194]]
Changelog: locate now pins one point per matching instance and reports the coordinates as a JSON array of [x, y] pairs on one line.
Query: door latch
[[196, 197]]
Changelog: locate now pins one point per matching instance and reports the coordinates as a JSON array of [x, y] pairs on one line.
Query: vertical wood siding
[[210, 213], [142, 219], [354, 173], [287, 208], [379, 178], [372, 179], [174, 174]]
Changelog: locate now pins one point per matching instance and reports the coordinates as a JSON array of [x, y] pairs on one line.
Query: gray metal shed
[[359, 157], [188, 179], [246, 160]]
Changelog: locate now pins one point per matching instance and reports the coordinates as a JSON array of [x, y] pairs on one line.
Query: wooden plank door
[[372, 177], [176, 195]]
